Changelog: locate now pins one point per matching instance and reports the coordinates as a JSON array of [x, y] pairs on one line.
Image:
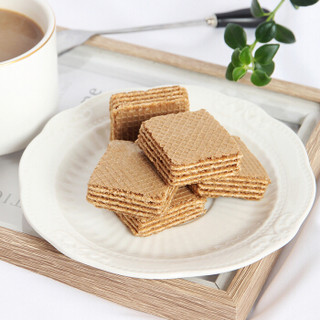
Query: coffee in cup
[[18, 34]]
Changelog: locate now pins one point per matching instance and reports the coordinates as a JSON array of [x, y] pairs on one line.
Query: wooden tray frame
[[175, 298]]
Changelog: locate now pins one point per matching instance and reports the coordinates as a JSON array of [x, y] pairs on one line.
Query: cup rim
[[47, 36]]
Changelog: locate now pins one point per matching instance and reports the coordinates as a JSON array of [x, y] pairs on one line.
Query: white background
[[291, 292]]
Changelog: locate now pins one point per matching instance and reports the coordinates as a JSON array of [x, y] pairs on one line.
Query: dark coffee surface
[[18, 34]]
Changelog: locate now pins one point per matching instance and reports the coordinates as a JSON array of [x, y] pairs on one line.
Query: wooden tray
[[177, 298]]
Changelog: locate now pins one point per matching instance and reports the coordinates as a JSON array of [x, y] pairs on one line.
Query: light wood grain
[[182, 62], [313, 149], [218, 71], [172, 299], [248, 282]]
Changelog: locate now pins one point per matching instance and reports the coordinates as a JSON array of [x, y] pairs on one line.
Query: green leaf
[[245, 56], [256, 9], [303, 3], [235, 36], [265, 53], [267, 68], [230, 68], [238, 73], [260, 78], [235, 59], [266, 31], [284, 35]]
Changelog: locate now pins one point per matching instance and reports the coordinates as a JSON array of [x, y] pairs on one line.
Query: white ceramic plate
[[56, 167]]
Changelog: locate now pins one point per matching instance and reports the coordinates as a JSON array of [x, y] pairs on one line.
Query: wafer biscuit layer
[[128, 110], [250, 182], [185, 176], [126, 181], [184, 207], [189, 147]]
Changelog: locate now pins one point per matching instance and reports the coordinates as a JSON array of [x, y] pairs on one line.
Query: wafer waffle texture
[[185, 207], [189, 147], [125, 181], [129, 109], [250, 182]]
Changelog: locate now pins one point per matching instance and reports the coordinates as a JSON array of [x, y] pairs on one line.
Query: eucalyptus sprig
[[246, 57]]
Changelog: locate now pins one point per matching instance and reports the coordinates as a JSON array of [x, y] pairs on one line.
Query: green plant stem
[[253, 45], [272, 13], [270, 17], [251, 49]]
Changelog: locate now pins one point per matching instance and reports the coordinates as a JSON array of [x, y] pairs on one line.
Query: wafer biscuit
[[189, 147], [128, 110], [185, 206], [189, 176], [250, 182], [126, 181]]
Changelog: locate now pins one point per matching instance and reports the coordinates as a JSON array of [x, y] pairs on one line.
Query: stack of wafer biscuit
[[189, 147], [125, 181], [178, 159], [129, 109], [185, 206], [250, 182]]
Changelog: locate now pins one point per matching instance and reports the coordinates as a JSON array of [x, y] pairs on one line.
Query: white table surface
[[292, 290]]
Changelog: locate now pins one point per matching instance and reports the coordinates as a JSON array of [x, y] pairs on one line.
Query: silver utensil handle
[[211, 21], [68, 39]]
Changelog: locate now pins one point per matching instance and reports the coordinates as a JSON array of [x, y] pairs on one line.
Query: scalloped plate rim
[[147, 273]]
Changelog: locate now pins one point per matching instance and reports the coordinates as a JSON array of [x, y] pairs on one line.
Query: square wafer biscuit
[[189, 147], [249, 183], [184, 207], [129, 109], [126, 181]]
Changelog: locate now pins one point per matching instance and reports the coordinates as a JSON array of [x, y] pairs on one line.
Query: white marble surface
[[291, 292]]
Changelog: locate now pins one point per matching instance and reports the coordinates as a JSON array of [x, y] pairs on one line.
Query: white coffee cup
[[28, 82]]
